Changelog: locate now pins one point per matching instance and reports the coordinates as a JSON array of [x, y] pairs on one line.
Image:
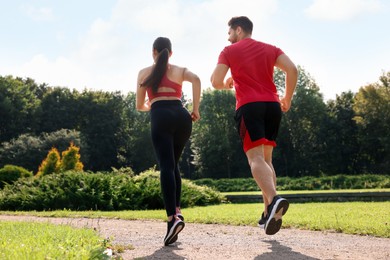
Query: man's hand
[[229, 83]]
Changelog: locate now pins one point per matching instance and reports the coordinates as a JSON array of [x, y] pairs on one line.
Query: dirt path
[[198, 241]]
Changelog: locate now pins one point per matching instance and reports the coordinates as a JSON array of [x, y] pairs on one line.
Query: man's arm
[[218, 77], [284, 63]]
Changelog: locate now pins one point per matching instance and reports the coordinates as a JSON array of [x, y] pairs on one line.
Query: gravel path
[[200, 241]]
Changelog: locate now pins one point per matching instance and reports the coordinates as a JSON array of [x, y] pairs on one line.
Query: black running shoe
[[174, 228], [174, 239], [179, 215], [276, 210], [262, 220]]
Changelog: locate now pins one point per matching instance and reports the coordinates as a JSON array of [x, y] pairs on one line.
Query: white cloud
[[338, 10], [110, 54], [44, 71], [38, 14]]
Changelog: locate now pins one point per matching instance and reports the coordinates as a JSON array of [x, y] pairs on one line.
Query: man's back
[[251, 63]]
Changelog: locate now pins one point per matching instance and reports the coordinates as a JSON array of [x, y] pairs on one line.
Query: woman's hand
[[195, 116]]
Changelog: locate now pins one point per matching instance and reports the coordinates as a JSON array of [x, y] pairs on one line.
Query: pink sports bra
[[165, 82]]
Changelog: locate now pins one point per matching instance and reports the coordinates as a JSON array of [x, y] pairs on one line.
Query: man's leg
[[262, 172], [268, 159]]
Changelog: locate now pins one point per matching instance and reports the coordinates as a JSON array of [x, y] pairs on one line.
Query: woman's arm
[[196, 90], [141, 104]]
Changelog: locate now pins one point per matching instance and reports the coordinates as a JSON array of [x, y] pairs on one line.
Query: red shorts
[[258, 124]]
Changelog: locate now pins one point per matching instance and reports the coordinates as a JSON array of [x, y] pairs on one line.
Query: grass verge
[[23, 240], [361, 218]]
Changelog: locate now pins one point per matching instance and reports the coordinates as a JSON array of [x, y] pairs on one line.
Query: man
[[258, 107]]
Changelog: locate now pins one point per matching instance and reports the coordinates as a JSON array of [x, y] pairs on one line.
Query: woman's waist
[[165, 101]]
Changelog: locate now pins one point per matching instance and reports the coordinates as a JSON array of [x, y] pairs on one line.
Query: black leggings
[[171, 127]]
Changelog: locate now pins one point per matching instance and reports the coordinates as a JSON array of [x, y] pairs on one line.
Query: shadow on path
[[166, 252], [279, 251]]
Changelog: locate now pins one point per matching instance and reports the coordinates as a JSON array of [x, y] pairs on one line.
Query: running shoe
[[174, 239], [276, 210], [179, 215], [262, 220], [175, 226]]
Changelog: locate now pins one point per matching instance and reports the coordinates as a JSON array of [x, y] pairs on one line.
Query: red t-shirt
[[252, 66]]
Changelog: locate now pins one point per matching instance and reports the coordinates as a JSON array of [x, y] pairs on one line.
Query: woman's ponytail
[[163, 47]]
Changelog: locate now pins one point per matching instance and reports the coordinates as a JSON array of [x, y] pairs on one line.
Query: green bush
[[28, 150], [364, 181], [11, 173], [228, 185], [97, 191]]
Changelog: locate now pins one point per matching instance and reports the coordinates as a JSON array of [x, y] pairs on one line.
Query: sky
[[101, 45]]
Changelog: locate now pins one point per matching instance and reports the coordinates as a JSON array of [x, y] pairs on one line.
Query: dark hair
[[163, 47], [243, 22]]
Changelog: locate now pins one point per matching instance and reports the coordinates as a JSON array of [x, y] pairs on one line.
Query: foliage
[[59, 109], [71, 159], [136, 149], [372, 108], [96, 191], [18, 106], [347, 135], [342, 132], [364, 181], [29, 150], [51, 164], [11, 173], [300, 137], [54, 163], [215, 142], [100, 121]]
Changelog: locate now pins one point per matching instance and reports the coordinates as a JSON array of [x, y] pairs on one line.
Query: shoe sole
[[171, 238], [174, 239], [274, 223]]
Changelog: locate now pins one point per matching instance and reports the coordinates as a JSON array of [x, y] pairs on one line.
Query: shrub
[[11, 173], [28, 151], [97, 191], [364, 181], [71, 159], [51, 164], [228, 185]]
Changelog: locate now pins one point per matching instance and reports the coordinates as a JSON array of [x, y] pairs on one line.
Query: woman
[[171, 124]]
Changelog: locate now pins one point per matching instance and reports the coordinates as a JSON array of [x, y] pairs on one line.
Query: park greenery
[[27, 240], [348, 135], [306, 183], [114, 191], [347, 217], [70, 153]]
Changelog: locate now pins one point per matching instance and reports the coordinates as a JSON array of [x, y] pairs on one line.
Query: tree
[[342, 136], [59, 109], [51, 164], [101, 118], [136, 148], [215, 141], [18, 105], [71, 159], [372, 108], [301, 141], [29, 150]]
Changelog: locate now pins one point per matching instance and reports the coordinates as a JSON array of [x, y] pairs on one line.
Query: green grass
[[362, 218], [23, 240]]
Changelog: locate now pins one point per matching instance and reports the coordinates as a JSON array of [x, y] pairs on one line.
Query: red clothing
[[165, 82], [252, 66]]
